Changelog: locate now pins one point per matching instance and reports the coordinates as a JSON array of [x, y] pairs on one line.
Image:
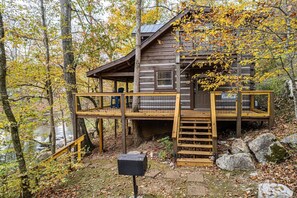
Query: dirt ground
[[98, 176]]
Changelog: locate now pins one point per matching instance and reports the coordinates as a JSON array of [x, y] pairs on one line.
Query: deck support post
[[74, 117], [123, 117], [115, 88], [238, 111], [101, 143], [271, 110]]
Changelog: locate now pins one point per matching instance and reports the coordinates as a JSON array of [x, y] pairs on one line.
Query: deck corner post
[[238, 111], [271, 111], [123, 118], [74, 117], [101, 137]]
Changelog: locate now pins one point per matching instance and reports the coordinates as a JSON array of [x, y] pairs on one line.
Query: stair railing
[[176, 123], [213, 122], [66, 149]]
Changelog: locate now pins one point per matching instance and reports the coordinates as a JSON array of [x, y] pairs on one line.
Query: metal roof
[[152, 28]]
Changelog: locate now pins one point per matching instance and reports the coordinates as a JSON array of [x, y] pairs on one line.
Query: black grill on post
[[134, 165]]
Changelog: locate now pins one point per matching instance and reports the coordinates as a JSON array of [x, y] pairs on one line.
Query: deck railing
[[113, 104], [256, 103]]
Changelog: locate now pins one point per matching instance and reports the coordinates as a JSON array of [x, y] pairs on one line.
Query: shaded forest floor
[[98, 175]]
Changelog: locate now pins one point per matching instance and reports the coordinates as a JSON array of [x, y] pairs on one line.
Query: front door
[[202, 98]]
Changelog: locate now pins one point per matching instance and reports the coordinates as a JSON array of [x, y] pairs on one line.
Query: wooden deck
[[227, 115], [246, 106]]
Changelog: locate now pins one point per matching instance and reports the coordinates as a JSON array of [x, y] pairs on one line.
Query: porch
[[224, 106]]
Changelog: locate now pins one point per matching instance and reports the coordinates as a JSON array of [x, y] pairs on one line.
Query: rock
[[277, 153], [60, 143], [273, 190], [134, 152], [291, 140], [260, 146], [222, 142], [240, 161], [239, 146], [43, 155]]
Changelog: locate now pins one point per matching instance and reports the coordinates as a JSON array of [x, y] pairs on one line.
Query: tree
[[250, 32], [13, 125], [69, 65], [135, 101], [48, 83]]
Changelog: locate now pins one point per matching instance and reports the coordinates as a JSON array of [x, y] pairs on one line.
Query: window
[[164, 79]]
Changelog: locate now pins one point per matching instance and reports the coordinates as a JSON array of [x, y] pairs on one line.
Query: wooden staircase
[[195, 142], [194, 136]]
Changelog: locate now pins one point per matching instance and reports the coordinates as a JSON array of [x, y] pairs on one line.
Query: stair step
[[196, 121], [194, 162], [194, 133], [196, 146], [195, 127], [186, 152], [196, 139]]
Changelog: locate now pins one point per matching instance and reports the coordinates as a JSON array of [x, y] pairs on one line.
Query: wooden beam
[[115, 89], [177, 64], [271, 110], [74, 117], [100, 124], [124, 148], [118, 74], [238, 112]]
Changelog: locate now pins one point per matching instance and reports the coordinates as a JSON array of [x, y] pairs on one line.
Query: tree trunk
[[69, 66], [14, 130], [48, 82], [135, 103]]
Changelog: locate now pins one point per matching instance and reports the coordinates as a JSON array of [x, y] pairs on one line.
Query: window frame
[[165, 88]]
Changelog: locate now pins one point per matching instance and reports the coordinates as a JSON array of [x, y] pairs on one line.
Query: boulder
[[273, 190], [260, 146], [276, 153], [291, 140], [239, 161], [239, 146], [43, 155]]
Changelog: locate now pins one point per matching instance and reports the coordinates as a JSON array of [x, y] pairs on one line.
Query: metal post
[[135, 187]]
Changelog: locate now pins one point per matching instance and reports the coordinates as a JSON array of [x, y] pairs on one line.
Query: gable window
[[164, 79]]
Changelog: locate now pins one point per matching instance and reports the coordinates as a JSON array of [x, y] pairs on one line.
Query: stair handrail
[[67, 148], [213, 121], [176, 121]]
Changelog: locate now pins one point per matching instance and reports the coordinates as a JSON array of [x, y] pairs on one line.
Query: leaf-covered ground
[[98, 175]]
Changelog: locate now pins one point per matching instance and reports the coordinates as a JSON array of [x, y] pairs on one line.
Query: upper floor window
[[164, 79]]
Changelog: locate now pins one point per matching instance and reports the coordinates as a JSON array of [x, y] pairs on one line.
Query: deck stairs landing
[[195, 142]]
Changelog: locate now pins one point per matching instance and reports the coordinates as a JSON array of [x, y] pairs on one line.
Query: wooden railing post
[[252, 107], [74, 117], [271, 110], [123, 117], [176, 123], [213, 122], [238, 112], [78, 151]]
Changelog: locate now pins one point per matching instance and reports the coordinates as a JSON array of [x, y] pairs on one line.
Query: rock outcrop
[[240, 161], [273, 190], [291, 140], [239, 146], [260, 146]]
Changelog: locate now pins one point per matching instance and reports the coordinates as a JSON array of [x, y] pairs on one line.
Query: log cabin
[[171, 99]]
